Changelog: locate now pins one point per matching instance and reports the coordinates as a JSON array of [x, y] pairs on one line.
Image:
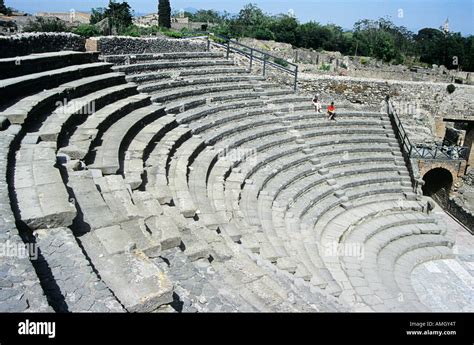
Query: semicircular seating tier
[[182, 182]]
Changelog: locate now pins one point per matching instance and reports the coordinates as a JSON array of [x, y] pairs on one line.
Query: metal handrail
[[424, 151], [265, 57]]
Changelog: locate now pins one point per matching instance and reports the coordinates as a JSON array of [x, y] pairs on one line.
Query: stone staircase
[[181, 182]]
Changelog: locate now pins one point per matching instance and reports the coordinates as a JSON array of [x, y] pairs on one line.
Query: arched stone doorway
[[438, 182]]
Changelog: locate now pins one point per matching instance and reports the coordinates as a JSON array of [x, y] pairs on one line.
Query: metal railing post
[[208, 44], [296, 78], [228, 49], [264, 65], [251, 60]]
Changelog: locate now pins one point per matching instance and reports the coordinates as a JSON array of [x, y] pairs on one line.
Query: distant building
[[446, 26], [177, 23], [146, 20], [72, 17], [152, 19]]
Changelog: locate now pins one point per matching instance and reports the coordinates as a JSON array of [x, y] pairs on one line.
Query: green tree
[[119, 15], [469, 50], [249, 19], [86, 30], [4, 9], [97, 15], [430, 43], [164, 13], [205, 16], [285, 29]]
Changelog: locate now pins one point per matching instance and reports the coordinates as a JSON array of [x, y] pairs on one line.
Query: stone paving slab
[[78, 287], [20, 289]]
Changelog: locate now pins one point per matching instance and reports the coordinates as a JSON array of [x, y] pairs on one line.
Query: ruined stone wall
[[418, 103], [39, 42], [115, 45], [462, 213], [335, 63]]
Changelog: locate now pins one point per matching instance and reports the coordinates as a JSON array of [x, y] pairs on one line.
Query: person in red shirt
[[331, 112]]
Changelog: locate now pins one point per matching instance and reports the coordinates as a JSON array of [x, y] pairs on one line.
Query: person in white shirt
[[317, 105]]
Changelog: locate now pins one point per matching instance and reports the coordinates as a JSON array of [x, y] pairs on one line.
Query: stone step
[[21, 290], [185, 82], [79, 285], [179, 93], [199, 286], [75, 110], [41, 196], [41, 62], [217, 98], [136, 281], [117, 196], [108, 154], [133, 58], [162, 65], [36, 105], [158, 163], [98, 122], [239, 107], [179, 73], [14, 88], [96, 213], [140, 145]]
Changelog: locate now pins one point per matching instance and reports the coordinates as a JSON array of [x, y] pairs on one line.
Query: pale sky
[[413, 14]]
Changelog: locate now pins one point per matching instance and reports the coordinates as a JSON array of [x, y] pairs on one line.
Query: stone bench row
[[33, 107], [180, 92], [185, 73], [35, 63], [20, 289], [133, 58], [171, 64], [97, 123], [42, 199], [155, 87], [212, 99], [13, 88], [140, 146], [65, 117], [108, 154]]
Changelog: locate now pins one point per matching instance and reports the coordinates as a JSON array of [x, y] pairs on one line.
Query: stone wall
[[335, 63], [461, 213], [30, 43], [418, 103], [116, 45]]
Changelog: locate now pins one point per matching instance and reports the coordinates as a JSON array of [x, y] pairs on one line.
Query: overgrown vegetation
[[281, 62], [380, 38], [45, 25], [87, 30], [4, 9], [119, 16]]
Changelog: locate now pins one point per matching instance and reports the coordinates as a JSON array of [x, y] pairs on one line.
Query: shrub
[[132, 31], [281, 62], [451, 88], [325, 67], [86, 30], [264, 34], [363, 61], [173, 34], [46, 25]]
